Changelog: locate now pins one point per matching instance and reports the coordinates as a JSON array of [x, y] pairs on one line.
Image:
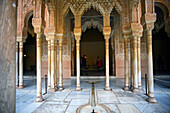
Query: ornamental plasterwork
[[92, 23], [80, 6], [27, 5]]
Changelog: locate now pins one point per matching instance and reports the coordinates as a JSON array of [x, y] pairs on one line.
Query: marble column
[[151, 97], [135, 76], [126, 62], [60, 65], [52, 65], [17, 82], [107, 63], [55, 61], [78, 63], [49, 64], [139, 63], [39, 81], [72, 62], [131, 64], [21, 81]]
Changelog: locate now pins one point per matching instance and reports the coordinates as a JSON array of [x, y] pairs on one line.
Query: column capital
[[21, 39], [51, 36], [77, 32], [148, 20], [60, 37], [107, 31], [136, 29], [126, 30], [39, 25]]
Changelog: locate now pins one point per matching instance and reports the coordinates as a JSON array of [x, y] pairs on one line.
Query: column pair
[[19, 79], [52, 65], [135, 64]]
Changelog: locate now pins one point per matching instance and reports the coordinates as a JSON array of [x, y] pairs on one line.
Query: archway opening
[[29, 61], [161, 61], [93, 46]]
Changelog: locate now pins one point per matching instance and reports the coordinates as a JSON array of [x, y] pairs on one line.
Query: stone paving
[[68, 100]]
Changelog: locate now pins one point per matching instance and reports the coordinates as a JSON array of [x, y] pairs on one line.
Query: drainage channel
[[93, 106]]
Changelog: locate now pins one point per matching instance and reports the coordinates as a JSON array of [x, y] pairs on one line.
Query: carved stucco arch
[[66, 9], [164, 8], [27, 17], [102, 7], [93, 23]]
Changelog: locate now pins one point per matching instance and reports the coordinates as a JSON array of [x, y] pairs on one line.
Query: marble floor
[[68, 100]]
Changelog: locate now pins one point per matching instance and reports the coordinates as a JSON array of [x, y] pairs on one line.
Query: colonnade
[[133, 81], [53, 38]]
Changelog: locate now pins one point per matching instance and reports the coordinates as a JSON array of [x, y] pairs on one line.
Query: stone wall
[[7, 55]]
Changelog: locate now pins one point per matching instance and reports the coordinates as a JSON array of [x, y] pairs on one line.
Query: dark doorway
[[93, 45]]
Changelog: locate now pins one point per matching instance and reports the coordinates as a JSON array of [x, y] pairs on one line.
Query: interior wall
[[92, 50]]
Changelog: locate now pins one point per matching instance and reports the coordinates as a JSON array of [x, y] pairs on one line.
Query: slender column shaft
[[131, 59], [78, 63], [60, 65], [107, 64], [52, 66], [39, 82], [126, 65], [21, 83], [72, 62], [55, 61], [135, 77], [17, 65], [139, 64], [49, 63], [150, 67], [113, 58]]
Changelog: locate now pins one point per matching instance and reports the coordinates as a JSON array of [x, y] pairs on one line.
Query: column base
[[140, 88], [108, 89], [135, 90], [61, 88], [78, 89], [131, 88], [21, 87], [126, 88], [151, 100], [39, 99], [52, 90], [48, 88]]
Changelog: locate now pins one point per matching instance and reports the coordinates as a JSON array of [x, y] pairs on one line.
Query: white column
[[39, 82], [60, 65], [131, 64], [139, 64], [52, 65], [72, 62], [55, 60], [49, 64], [78, 63], [21, 81], [107, 64], [126, 62], [135, 76], [150, 67], [17, 82]]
